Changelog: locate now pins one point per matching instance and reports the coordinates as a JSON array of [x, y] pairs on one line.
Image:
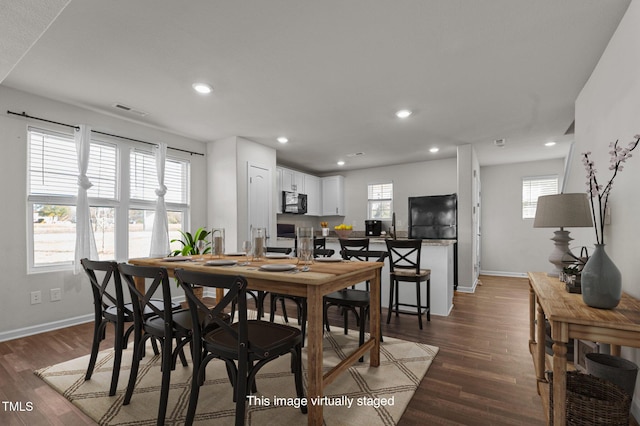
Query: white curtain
[[85, 241], [160, 232]]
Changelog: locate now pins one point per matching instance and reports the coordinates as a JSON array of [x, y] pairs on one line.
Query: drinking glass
[[217, 238], [201, 246], [259, 242], [246, 248], [305, 247]]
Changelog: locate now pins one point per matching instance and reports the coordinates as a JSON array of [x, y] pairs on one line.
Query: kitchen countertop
[[381, 240]]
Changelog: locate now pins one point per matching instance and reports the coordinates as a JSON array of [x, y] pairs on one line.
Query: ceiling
[[328, 75]]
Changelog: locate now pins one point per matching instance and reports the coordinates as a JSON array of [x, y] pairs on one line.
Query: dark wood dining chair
[[245, 346], [300, 301], [260, 296], [165, 326], [352, 299], [109, 308], [404, 266]]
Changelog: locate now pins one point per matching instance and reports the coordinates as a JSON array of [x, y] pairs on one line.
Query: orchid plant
[[619, 155]]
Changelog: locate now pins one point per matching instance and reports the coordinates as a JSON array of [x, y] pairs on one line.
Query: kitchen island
[[436, 255]]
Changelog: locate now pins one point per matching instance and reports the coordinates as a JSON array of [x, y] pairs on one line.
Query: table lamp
[[562, 211]]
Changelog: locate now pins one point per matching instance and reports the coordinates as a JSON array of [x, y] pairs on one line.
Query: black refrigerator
[[435, 217]]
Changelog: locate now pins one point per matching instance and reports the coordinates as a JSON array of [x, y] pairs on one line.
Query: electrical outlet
[[56, 294], [36, 297]]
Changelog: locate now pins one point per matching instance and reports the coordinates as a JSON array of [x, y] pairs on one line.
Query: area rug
[[363, 395]]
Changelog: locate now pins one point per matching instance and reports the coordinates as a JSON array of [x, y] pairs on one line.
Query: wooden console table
[[571, 318]]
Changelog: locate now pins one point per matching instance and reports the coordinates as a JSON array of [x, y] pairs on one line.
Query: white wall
[[511, 245], [608, 108], [228, 186], [17, 315], [435, 177], [467, 164]]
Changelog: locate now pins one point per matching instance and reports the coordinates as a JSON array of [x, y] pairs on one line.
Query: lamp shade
[[563, 211]]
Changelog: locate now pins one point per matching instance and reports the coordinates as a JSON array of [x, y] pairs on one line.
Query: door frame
[[251, 165]]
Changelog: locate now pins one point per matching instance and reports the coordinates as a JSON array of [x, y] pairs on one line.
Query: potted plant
[[189, 243], [190, 247]]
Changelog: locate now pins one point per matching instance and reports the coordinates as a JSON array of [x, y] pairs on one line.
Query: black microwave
[[294, 203]]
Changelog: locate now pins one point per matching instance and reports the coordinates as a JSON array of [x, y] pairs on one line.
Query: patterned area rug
[[363, 395]]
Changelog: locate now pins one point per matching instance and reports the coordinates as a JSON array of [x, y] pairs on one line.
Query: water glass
[[246, 248], [201, 246], [305, 247], [217, 238], [259, 237]]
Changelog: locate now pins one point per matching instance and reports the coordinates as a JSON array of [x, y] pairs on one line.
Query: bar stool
[[404, 265]]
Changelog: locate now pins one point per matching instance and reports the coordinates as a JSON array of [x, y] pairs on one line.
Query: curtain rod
[[25, 115]]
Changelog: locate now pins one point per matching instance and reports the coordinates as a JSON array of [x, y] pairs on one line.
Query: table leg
[[532, 318], [559, 375], [615, 350], [541, 338], [374, 315], [140, 284], [314, 354]]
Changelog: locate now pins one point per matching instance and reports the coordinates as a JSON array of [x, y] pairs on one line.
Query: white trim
[[467, 289], [504, 274], [69, 322], [41, 328]]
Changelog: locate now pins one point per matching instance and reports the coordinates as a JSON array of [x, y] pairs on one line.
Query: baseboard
[[505, 274], [69, 322], [466, 289], [42, 328]]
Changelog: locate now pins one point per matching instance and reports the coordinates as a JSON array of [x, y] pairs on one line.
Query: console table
[[571, 318]]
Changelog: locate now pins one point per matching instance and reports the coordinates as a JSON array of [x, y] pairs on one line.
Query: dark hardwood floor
[[483, 374]]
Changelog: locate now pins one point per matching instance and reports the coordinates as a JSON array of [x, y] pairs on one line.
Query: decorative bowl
[[343, 233]]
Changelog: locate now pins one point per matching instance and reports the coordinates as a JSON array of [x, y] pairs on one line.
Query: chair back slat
[[283, 250], [236, 286], [404, 255], [105, 295], [160, 288], [358, 244], [317, 252]]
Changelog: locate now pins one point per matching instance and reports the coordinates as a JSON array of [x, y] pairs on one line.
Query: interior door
[[260, 193]]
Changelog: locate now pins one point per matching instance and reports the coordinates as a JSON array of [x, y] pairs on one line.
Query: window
[[52, 192], [380, 205], [534, 187], [143, 184]]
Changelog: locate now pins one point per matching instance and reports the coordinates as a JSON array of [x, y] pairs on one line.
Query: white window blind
[[53, 168], [380, 201], [144, 178], [534, 187]]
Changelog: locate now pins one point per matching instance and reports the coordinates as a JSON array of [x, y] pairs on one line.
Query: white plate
[[220, 262], [277, 256], [235, 254], [327, 259], [176, 258], [278, 267]]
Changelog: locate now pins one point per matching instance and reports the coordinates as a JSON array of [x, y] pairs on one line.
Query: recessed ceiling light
[[403, 113], [550, 143], [282, 139], [202, 88], [434, 150], [340, 163]]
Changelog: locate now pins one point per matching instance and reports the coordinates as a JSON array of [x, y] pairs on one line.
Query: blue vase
[[601, 281]]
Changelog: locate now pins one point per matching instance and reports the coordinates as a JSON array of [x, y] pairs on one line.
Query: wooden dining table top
[[321, 278], [320, 273]]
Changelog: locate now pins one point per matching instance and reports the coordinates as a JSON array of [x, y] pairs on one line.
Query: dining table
[[323, 276]]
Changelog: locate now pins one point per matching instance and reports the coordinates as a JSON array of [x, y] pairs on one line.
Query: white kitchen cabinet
[[333, 196], [313, 189], [292, 181]]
